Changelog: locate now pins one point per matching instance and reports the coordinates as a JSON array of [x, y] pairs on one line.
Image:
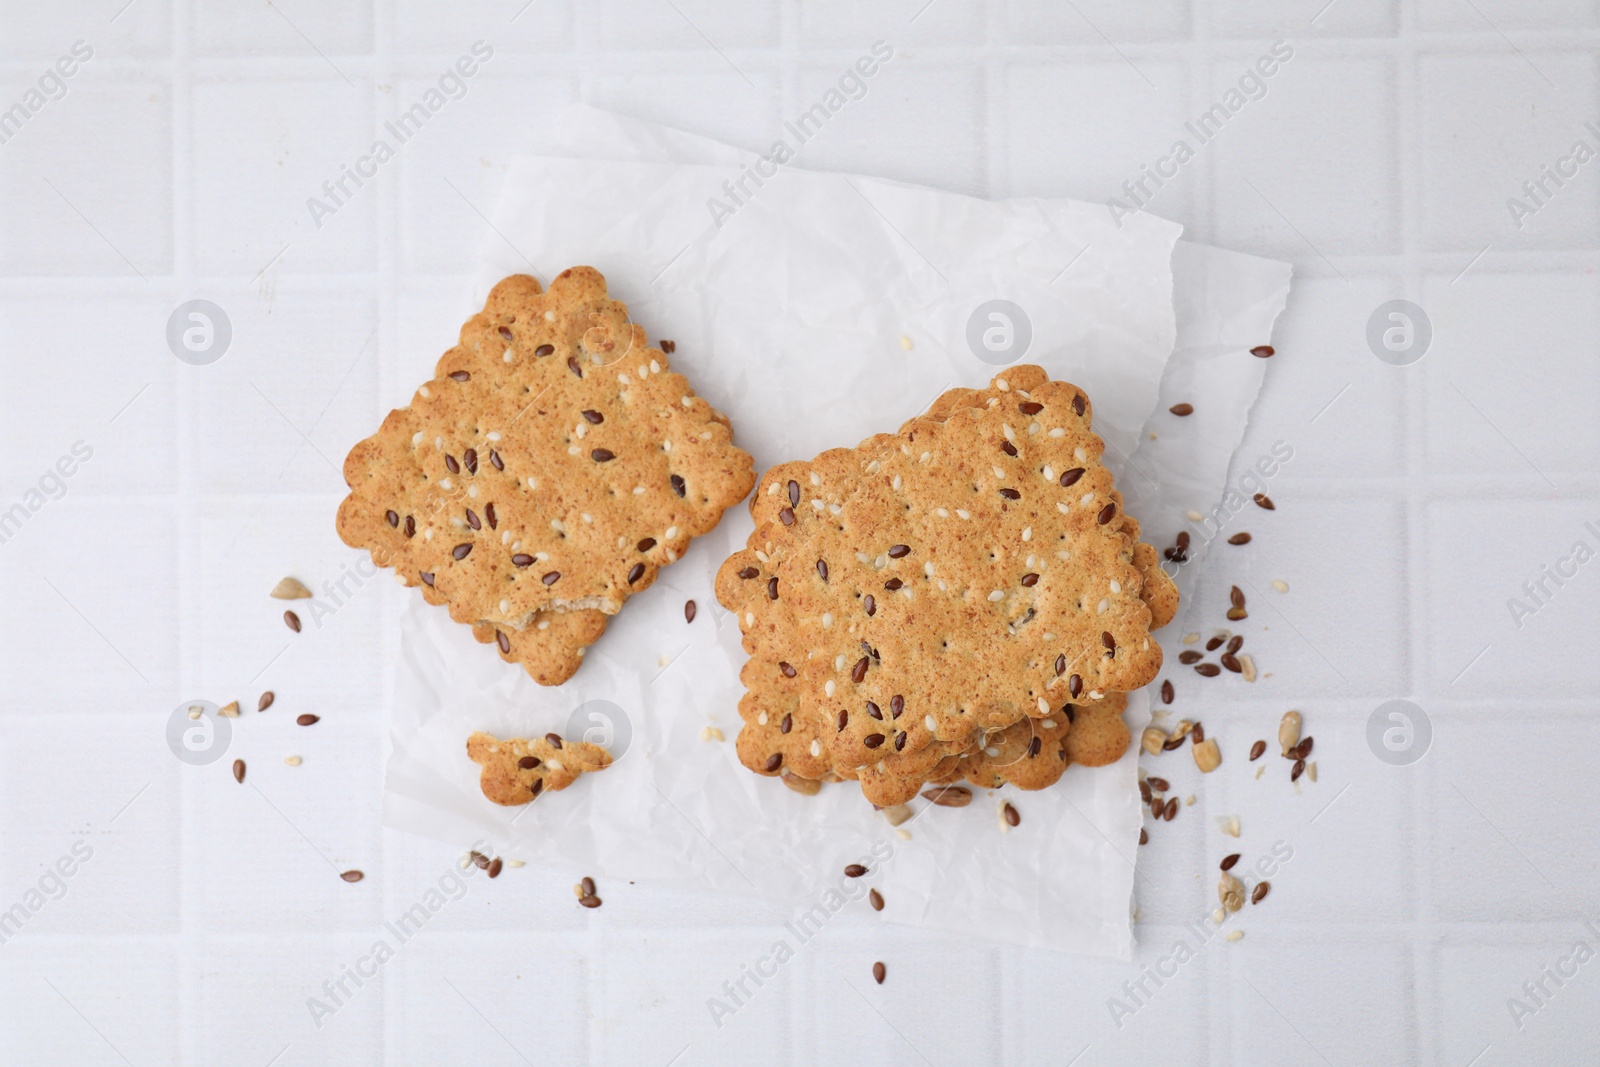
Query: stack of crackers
[[550, 468], [962, 599]]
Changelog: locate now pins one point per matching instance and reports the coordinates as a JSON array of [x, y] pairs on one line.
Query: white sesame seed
[[927, 568], [1027, 535], [1061, 506], [1049, 473], [622, 379], [749, 618], [863, 557], [293, 761], [941, 512], [1043, 706], [827, 619], [554, 765], [588, 517], [930, 722], [427, 535], [1048, 724], [1033, 428], [672, 531], [445, 483], [1095, 694], [816, 747], [895, 485], [544, 624], [1002, 385], [834, 509], [666, 446], [637, 490], [1058, 432], [881, 562], [762, 556], [686, 401], [507, 355], [533, 483], [1063, 555], [416, 439], [762, 719], [438, 443], [472, 490], [829, 688], [644, 372], [549, 316], [1116, 586], [493, 435], [557, 525], [964, 513], [1103, 606], [1005, 428], [998, 473], [423, 391], [580, 430], [1280, 585], [572, 450], [542, 557], [838, 662], [1233, 935], [942, 587], [655, 367], [817, 504], [927, 456], [1195, 516], [991, 752], [505, 607], [997, 594], [905, 342], [1080, 455]]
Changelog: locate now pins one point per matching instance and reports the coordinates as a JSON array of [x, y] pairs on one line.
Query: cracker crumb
[[904, 835], [1233, 935], [1280, 585], [292, 761], [905, 342], [1228, 824], [710, 733]]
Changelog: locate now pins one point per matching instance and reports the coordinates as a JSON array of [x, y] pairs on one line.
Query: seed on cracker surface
[[292, 621], [291, 589], [352, 876], [238, 770], [879, 972]]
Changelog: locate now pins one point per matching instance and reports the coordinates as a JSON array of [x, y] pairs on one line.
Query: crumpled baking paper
[[827, 308]]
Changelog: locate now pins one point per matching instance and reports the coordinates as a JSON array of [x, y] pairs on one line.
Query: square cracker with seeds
[[545, 474], [903, 599]]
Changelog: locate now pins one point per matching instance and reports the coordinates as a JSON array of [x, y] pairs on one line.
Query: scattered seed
[[688, 611], [586, 887], [1264, 501], [1237, 614], [1153, 739], [1198, 734], [479, 859], [878, 973], [1235, 644], [306, 719], [352, 876], [1229, 824], [1231, 662], [1213, 644], [1144, 792], [1297, 770], [1159, 784], [1171, 810], [1240, 538], [1167, 692], [1190, 656], [1303, 749], [292, 761], [494, 867], [1233, 935], [1229, 860], [1280, 585], [1144, 836], [590, 901], [855, 870], [1230, 892], [669, 347], [1010, 813], [1182, 409], [875, 898], [292, 621], [949, 796], [293, 588], [1263, 351], [238, 771], [1256, 750], [1259, 893], [1289, 732], [1236, 596], [266, 701], [1208, 670]]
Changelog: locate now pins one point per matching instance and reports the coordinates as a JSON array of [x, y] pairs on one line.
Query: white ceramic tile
[[1480, 423], [1499, 608], [283, 28], [260, 154], [1487, 124], [1266, 19], [1096, 22], [69, 213], [1108, 119]]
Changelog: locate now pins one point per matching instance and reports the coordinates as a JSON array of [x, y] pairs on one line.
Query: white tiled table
[[177, 165]]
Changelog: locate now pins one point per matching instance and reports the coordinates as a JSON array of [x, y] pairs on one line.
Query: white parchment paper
[[789, 317]]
